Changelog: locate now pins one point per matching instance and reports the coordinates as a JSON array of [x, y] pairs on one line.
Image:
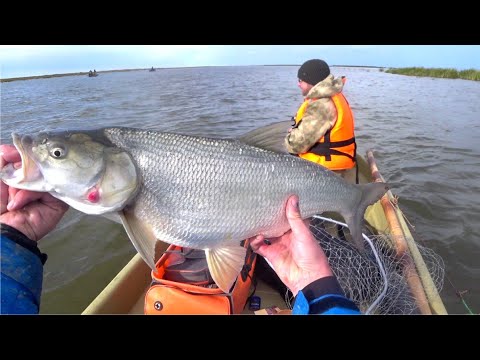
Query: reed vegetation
[[469, 74]]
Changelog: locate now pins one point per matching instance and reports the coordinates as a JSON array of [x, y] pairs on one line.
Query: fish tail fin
[[371, 193], [225, 264]]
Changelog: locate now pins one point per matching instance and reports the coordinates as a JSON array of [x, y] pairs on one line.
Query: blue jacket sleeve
[[21, 273], [324, 296]]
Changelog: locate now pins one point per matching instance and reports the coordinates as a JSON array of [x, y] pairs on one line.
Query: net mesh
[[377, 285]]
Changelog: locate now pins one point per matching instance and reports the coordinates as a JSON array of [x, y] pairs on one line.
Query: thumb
[[293, 215]]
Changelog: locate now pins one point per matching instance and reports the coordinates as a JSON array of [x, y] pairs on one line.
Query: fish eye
[[58, 152]]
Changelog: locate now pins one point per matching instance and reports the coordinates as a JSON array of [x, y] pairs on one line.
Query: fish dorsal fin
[[225, 264], [142, 237], [270, 137]]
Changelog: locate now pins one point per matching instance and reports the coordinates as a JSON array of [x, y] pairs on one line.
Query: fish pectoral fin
[[113, 216], [225, 264], [142, 237]]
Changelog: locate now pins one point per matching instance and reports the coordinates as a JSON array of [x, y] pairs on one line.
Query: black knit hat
[[313, 71]]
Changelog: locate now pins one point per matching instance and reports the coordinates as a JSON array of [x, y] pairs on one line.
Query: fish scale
[[225, 185], [184, 190]]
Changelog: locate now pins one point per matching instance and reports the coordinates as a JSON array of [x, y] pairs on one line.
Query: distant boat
[[152, 69], [92, 74]]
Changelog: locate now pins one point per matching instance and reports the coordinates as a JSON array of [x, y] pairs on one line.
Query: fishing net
[[377, 281]]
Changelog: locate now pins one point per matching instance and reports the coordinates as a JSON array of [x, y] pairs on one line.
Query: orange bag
[[167, 297]]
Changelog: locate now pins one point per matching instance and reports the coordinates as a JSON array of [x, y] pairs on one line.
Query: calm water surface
[[425, 134]]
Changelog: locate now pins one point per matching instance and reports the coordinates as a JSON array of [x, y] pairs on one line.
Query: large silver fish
[[189, 191]]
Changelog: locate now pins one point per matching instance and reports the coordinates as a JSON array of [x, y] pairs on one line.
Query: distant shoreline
[[443, 73], [470, 74], [61, 75], [146, 69]]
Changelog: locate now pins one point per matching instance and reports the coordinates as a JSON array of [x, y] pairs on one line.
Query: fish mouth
[[27, 177]]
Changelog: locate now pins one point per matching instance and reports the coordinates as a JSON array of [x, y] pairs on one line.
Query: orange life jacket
[[336, 150]]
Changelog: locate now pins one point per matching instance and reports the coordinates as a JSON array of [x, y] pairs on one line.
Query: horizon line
[[46, 76]]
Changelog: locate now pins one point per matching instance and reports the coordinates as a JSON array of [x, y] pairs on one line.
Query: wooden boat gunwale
[[125, 294]]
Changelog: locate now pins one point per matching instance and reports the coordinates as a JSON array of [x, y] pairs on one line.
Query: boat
[[125, 294], [152, 69], [92, 74]]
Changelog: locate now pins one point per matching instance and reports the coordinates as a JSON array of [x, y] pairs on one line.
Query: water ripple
[[424, 132]]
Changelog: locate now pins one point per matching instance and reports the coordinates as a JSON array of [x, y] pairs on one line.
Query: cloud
[[28, 60]]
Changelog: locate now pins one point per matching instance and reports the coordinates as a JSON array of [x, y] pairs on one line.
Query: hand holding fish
[[34, 214], [189, 191], [296, 256]]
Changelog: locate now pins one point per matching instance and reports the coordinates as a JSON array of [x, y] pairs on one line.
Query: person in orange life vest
[[323, 129]]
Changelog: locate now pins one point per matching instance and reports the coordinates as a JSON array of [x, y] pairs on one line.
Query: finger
[[256, 242], [293, 215], [9, 154], [3, 197], [258, 245], [22, 198], [11, 193]]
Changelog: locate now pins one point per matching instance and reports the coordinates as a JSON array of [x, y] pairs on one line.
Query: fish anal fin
[[143, 238], [224, 264]]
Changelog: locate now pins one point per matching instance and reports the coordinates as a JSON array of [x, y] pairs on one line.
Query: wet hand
[[34, 214], [296, 256]]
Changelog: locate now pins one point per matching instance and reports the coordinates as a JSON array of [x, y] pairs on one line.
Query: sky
[[34, 60]]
